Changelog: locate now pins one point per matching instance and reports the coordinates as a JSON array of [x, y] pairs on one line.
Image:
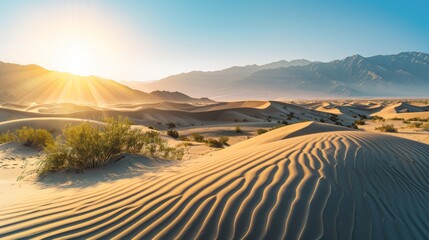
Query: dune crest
[[322, 182]]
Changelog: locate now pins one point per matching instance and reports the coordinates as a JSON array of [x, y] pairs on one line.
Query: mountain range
[[31, 83], [401, 75]]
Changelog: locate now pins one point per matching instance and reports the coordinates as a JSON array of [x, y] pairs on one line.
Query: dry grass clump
[[425, 126], [261, 131], [89, 145], [387, 128], [37, 138], [220, 143]]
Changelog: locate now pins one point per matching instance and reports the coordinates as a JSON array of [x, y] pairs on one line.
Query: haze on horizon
[[148, 40]]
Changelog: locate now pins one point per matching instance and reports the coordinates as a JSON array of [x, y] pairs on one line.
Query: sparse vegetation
[[37, 138], [415, 125], [224, 140], [211, 142], [89, 145], [184, 138], [360, 122], [418, 119], [425, 126], [377, 118], [171, 125], [387, 128], [173, 133], [197, 137], [237, 129], [397, 119], [261, 131]]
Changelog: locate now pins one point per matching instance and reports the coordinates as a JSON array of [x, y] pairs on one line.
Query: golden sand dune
[[185, 115], [323, 182]]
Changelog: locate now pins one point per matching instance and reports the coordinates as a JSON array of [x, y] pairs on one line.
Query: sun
[[76, 57]]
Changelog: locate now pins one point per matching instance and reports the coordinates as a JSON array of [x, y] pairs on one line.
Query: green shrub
[[89, 145], [37, 138], [173, 133], [197, 137], [224, 140], [237, 129], [387, 128], [261, 131]]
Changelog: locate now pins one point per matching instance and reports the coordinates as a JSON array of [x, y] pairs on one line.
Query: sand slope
[[332, 184]]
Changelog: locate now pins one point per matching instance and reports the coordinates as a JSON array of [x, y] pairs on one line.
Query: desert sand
[[306, 180]]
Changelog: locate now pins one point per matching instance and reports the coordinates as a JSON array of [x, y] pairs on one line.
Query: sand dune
[[305, 181], [184, 115]]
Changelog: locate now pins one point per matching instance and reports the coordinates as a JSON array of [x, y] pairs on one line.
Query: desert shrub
[[173, 133], [261, 131], [197, 137], [387, 128], [415, 125], [237, 129], [183, 138], [211, 142], [397, 119], [7, 137], [418, 119], [38, 138], [360, 122], [285, 122], [89, 145], [224, 140], [171, 125], [425, 126], [375, 118]]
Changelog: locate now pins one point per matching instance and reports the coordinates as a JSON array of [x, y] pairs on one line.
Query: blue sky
[[147, 40]]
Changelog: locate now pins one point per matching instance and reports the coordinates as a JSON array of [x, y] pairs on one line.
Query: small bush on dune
[[173, 133], [171, 125], [37, 138], [261, 131], [89, 145], [425, 126], [375, 118], [211, 142], [360, 122], [224, 140], [7, 137], [415, 125], [237, 129], [183, 138], [197, 137], [387, 128]]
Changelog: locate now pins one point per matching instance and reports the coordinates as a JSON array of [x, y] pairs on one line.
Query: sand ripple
[[340, 184]]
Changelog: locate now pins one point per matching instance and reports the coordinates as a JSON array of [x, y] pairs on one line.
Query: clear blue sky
[[146, 40]]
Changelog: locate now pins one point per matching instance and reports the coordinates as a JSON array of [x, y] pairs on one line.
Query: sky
[[148, 40]]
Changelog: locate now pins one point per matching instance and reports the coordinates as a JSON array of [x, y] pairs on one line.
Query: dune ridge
[[331, 184]]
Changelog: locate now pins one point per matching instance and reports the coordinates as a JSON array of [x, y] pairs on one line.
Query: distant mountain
[[213, 83], [401, 75], [31, 83]]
